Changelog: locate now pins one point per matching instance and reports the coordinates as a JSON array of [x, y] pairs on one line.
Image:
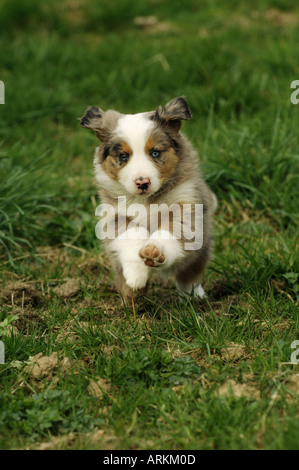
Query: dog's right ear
[[92, 119], [172, 114]]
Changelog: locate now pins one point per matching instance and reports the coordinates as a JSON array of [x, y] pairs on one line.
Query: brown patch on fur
[[111, 166], [111, 163], [169, 159], [126, 148], [150, 144], [168, 164]]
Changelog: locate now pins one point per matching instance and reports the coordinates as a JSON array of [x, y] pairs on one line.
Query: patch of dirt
[[69, 330], [99, 388], [272, 15], [43, 369], [238, 20], [68, 289], [66, 333], [110, 305], [281, 18], [233, 352], [98, 438], [59, 442], [280, 286], [144, 22], [151, 24], [109, 350], [86, 263], [81, 305], [27, 319], [69, 333], [238, 390], [12, 331], [293, 384], [73, 11], [21, 293], [222, 288], [94, 266], [222, 307], [53, 254]]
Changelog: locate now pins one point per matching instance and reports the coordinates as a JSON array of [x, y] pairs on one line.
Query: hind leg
[[194, 289], [188, 281]]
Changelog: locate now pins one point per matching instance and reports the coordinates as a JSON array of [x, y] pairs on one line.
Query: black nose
[[142, 183]]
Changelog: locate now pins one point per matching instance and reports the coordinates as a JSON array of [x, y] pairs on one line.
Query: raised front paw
[[152, 255]]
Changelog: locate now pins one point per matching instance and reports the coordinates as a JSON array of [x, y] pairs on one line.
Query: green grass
[[169, 379]]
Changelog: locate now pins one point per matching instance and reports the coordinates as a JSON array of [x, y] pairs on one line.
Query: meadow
[[81, 370]]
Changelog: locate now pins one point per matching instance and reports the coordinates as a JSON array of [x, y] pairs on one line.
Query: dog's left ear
[[172, 114], [92, 119]]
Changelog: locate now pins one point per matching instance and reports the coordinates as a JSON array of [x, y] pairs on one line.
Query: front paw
[[152, 255], [136, 276]]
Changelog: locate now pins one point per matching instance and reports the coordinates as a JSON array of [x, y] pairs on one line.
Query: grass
[[81, 370]]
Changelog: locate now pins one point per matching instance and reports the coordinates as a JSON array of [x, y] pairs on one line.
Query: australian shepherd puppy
[[154, 197]]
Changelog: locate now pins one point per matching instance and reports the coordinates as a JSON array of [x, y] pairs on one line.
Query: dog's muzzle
[[142, 183]]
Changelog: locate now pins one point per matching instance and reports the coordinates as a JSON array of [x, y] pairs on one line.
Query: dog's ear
[[172, 114], [93, 119]]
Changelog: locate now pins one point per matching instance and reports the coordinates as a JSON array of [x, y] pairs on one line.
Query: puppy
[[158, 209]]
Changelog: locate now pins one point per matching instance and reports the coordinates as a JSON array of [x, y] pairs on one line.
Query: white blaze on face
[[135, 129]]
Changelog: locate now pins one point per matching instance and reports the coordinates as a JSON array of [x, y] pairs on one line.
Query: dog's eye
[[124, 157], [155, 153]]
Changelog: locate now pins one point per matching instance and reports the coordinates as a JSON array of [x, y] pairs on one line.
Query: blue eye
[[155, 153], [124, 157]]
